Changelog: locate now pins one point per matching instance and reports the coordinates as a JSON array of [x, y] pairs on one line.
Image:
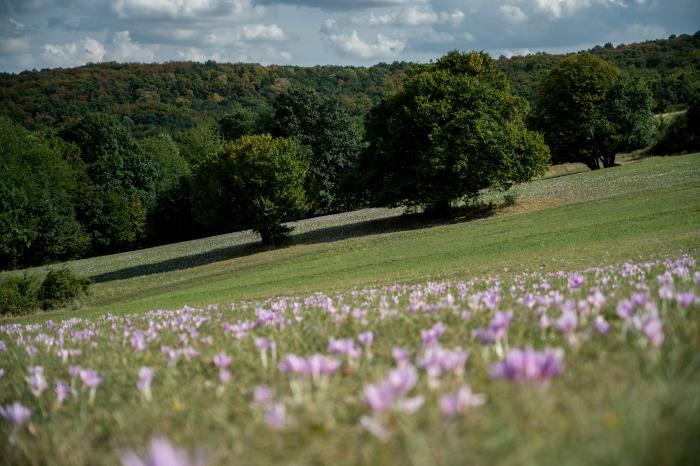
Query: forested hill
[[175, 96]]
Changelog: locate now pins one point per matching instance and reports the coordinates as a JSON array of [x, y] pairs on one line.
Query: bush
[[62, 287], [683, 133], [18, 295]]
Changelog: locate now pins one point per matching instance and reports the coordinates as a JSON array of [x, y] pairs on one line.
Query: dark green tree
[[325, 125], [682, 134], [257, 182], [37, 214], [589, 111], [452, 130], [170, 165], [237, 124], [199, 144]]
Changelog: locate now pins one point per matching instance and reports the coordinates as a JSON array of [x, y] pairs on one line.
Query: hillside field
[[562, 329]]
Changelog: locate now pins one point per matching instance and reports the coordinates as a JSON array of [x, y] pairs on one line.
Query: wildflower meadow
[[596, 366]]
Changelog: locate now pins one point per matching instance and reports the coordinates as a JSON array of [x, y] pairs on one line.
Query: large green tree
[[256, 182], [453, 129], [37, 192], [589, 111], [324, 124]]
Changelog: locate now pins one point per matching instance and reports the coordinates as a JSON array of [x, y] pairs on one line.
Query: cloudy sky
[[51, 33]]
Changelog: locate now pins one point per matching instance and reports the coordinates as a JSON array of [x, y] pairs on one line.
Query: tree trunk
[[609, 160], [593, 163]]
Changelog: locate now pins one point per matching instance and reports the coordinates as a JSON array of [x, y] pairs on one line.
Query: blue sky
[[51, 33]]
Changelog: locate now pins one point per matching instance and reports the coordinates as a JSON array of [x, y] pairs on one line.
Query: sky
[[65, 33]]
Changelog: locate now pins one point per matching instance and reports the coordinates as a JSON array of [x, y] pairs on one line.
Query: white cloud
[[197, 54], [185, 9], [354, 47], [560, 8], [260, 32], [13, 45], [513, 14], [411, 16], [469, 37], [125, 50], [73, 53]]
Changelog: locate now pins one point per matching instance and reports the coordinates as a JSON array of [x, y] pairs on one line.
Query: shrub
[[683, 133], [62, 287], [18, 295]]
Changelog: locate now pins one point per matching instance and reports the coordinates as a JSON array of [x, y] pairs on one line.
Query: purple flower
[[3, 347], [500, 323], [653, 329], [63, 391], [144, 381], [528, 365], [601, 325], [452, 404], [575, 281], [345, 347], [402, 380], [276, 416], [36, 380], [566, 323], [138, 342], [400, 355], [222, 361], [484, 336], [90, 378], [262, 343], [262, 395], [625, 309], [366, 338], [15, 414], [380, 397], [685, 299], [323, 365], [430, 336], [162, 453]]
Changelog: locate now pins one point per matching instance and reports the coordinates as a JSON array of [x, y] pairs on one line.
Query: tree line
[[446, 131]]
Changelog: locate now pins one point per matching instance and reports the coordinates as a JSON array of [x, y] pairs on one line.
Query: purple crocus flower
[[566, 323], [366, 338], [162, 453], [500, 323], [16, 414], [685, 299], [402, 380], [3, 347], [222, 360], [452, 404], [36, 380], [380, 397], [276, 416], [528, 365], [652, 327], [144, 381], [484, 336], [430, 336], [262, 395], [138, 342], [63, 391], [601, 325], [401, 356], [575, 281], [344, 346], [90, 378]]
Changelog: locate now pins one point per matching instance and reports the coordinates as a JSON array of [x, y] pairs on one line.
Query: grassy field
[[649, 207], [561, 330]]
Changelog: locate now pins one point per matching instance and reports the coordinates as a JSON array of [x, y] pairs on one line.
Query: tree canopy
[[452, 130], [589, 110]]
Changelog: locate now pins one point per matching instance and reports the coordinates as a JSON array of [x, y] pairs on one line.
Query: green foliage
[[326, 126], [114, 159], [453, 130], [170, 166], [199, 144], [62, 287], [18, 294], [589, 111], [239, 123], [683, 133], [257, 182], [37, 216]]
